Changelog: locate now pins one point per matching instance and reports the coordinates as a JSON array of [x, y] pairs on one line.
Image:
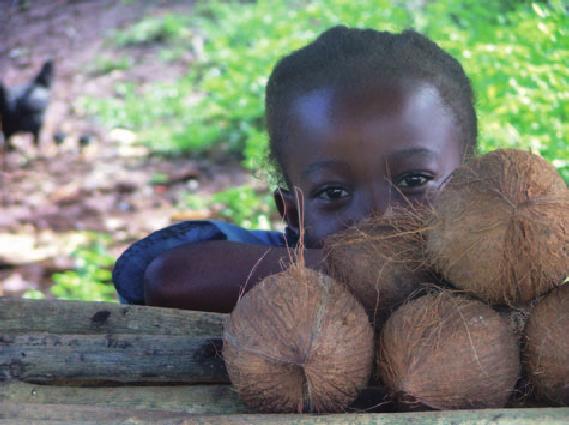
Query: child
[[359, 120]]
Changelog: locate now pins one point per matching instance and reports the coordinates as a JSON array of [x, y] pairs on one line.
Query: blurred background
[[155, 113]]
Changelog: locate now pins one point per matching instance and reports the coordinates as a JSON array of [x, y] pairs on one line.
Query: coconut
[[444, 351], [547, 347], [298, 342], [381, 260], [501, 228], [516, 317]]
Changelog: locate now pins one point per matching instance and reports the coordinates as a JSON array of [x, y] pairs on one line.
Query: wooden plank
[[100, 359], [54, 422], [199, 399], [79, 317], [80, 414], [202, 399], [48, 414]]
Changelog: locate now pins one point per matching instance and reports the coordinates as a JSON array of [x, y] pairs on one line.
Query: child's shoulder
[[128, 271]]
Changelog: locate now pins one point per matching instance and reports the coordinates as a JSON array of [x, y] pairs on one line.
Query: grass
[[105, 65]]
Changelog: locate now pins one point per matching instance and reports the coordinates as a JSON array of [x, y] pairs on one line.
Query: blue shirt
[[128, 272]]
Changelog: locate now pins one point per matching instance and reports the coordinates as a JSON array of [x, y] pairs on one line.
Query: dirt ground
[[49, 196]]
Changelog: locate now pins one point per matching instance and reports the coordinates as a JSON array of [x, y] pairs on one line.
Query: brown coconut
[[547, 347], [516, 317], [501, 228], [443, 351], [298, 342], [381, 260]]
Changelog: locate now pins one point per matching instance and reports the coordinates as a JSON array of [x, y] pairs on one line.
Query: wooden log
[[55, 422], [78, 317], [76, 422], [199, 399], [65, 414], [101, 359], [202, 399], [59, 414]]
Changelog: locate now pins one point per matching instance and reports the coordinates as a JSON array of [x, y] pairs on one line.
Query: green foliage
[[517, 61], [155, 29], [158, 178], [241, 205], [245, 207], [105, 65], [33, 294], [91, 279], [512, 50]]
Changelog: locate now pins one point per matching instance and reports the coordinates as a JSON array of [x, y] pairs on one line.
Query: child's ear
[[286, 205]]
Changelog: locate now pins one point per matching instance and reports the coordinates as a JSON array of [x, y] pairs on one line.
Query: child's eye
[[412, 180], [332, 193]]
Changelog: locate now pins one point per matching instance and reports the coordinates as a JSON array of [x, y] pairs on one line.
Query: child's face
[[359, 151]]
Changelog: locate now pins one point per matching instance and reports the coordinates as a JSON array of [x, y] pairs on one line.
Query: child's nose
[[378, 203]]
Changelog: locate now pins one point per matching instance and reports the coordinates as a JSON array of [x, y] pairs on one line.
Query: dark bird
[[22, 108], [58, 138], [84, 141]]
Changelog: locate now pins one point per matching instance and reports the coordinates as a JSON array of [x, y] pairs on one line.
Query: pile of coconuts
[[450, 305]]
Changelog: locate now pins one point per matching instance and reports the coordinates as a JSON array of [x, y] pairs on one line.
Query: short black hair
[[342, 53]]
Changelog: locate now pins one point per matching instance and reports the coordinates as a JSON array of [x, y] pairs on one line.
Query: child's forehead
[[331, 106]]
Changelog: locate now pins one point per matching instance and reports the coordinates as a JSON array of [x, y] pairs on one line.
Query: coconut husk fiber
[[298, 342], [381, 259], [444, 351], [547, 347], [501, 228], [516, 317]]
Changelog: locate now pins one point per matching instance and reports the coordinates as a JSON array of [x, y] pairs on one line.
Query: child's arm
[[210, 276]]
